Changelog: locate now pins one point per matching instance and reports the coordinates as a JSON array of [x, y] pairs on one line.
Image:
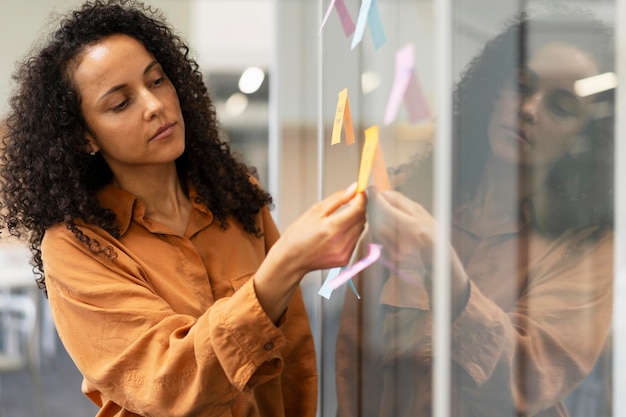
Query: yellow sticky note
[[381, 178], [367, 157], [343, 119]]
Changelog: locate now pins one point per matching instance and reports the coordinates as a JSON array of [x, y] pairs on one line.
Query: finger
[[384, 213], [352, 214], [388, 236], [401, 202], [337, 199]]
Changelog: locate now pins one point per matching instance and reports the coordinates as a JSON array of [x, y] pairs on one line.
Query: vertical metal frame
[[619, 309], [442, 205], [321, 171], [273, 126]]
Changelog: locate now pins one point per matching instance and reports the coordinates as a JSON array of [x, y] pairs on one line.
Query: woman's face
[[537, 115], [130, 107]]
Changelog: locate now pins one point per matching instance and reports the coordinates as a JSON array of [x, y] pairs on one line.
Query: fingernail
[[351, 189]]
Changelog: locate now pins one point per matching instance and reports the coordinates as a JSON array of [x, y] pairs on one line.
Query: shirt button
[[268, 346]]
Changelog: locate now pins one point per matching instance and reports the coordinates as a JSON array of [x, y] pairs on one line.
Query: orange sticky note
[[381, 178], [367, 157], [343, 119]]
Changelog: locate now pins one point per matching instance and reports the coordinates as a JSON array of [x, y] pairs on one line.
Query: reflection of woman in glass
[[154, 240], [531, 237]]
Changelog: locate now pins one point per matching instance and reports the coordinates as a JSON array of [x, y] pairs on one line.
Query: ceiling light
[[596, 84], [251, 80], [236, 104]]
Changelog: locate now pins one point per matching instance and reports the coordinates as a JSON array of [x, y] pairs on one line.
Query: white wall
[[25, 22], [232, 34]]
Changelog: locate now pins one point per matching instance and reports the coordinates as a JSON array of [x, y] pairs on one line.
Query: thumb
[[331, 203], [399, 201]]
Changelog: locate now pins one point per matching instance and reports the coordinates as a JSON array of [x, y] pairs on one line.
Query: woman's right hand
[[321, 238]]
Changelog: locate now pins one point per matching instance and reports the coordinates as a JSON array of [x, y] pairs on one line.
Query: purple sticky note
[[345, 275], [406, 87], [344, 16]]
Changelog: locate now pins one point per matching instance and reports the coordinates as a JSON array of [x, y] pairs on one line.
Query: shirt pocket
[[405, 289], [240, 280], [405, 318]]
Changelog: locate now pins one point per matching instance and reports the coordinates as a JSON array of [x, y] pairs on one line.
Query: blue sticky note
[[361, 22], [353, 288], [375, 23], [326, 290], [369, 14]]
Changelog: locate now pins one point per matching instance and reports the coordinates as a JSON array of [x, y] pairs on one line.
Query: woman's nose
[[529, 108], [153, 105]]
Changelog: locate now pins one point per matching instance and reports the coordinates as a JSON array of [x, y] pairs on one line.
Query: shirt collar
[[120, 202], [124, 205], [527, 215]]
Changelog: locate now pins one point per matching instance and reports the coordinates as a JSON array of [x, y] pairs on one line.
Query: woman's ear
[[91, 147]]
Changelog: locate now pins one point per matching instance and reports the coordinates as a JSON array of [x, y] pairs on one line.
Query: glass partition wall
[[494, 122], [500, 267]]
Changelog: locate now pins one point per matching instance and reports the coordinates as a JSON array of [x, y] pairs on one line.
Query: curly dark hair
[[47, 177], [581, 185]]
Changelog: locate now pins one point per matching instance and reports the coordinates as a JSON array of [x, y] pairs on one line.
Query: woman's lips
[[519, 134], [163, 131]]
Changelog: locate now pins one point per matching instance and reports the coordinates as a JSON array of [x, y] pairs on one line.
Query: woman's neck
[[162, 194], [504, 186]]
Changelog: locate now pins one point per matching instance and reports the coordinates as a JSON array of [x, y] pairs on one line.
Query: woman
[[531, 243], [169, 285]]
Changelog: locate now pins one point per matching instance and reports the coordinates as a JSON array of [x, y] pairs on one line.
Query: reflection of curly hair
[[48, 178], [582, 186]]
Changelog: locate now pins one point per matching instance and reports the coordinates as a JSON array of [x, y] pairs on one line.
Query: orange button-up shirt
[[172, 326]]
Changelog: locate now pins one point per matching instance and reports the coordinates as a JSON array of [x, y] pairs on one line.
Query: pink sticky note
[[345, 275], [344, 16], [416, 104], [407, 88]]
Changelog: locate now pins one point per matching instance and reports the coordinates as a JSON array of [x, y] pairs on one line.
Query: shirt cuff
[[244, 338], [479, 336]]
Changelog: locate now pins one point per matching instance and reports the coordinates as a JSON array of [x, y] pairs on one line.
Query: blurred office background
[[274, 77]]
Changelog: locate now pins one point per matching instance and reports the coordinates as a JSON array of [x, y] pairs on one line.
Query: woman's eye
[[563, 105], [158, 81], [525, 83], [121, 106], [522, 87], [525, 87]]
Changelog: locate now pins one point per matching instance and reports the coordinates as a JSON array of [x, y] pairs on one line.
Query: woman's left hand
[[404, 228], [407, 232]]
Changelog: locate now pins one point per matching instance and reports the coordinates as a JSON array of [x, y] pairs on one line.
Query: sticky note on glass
[[369, 14], [379, 170], [326, 291], [367, 157], [344, 16], [345, 275], [343, 119], [406, 88]]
